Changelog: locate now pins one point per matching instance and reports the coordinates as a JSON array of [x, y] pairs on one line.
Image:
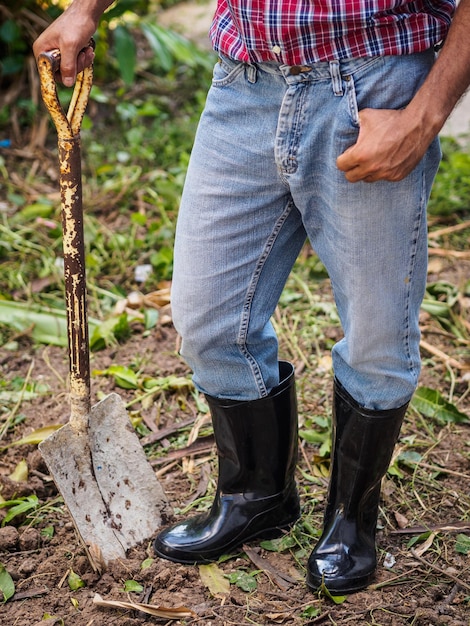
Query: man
[[321, 122]]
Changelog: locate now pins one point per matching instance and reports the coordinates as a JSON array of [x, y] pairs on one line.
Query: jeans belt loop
[[251, 73], [336, 79]]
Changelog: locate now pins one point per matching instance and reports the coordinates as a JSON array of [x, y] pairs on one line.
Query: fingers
[[70, 33], [384, 150], [71, 65]]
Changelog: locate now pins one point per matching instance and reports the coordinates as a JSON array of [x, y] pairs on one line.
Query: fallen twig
[[456, 527], [204, 444], [30, 593], [282, 580], [456, 254], [443, 356], [149, 609], [456, 580], [435, 234], [166, 432]]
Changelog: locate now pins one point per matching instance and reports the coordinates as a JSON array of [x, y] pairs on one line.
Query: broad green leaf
[[7, 586], [107, 332], [10, 31], [435, 308], [37, 209], [19, 506], [146, 563], [74, 581], [279, 545], [48, 326], [409, 456], [243, 580], [418, 539], [432, 404], [462, 544], [17, 396], [124, 46], [313, 436], [214, 579], [123, 376], [133, 586], [309, 612]]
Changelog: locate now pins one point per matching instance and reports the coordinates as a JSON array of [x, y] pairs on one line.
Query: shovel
[[96, 460]]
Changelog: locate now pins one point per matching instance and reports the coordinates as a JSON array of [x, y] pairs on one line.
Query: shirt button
[[276, 49]]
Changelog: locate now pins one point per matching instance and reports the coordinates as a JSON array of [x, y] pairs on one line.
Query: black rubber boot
[[256, 493], [363, 442]]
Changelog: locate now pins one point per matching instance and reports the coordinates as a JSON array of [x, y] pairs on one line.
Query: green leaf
[[243, 580], [124, 46], [146, 563], [214, 579], [418, 539], [7, 586], [48, 532], [462, 544], [107, 332], [123, 376], [278, 545], [133, 586], [19, 506], [48, 326], [432, 404], [74, 581], [336, 599], [309, 612]]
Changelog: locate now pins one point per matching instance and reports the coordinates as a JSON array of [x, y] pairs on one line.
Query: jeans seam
[[414, 245], [250, 294]]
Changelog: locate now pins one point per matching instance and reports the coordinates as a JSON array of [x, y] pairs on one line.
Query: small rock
[[27, 567], [30, 539], [9, 538]]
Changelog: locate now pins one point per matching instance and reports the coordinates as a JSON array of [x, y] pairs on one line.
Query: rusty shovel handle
[[68, 130], [67, 124]]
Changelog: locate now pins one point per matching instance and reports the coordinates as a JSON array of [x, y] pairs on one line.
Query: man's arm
[[71, 33], [391, 143]]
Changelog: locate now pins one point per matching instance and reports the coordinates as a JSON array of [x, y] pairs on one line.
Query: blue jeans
[[262, 178]]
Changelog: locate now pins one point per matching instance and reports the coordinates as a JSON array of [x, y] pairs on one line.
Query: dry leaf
[[20, 473], [213, 578], [401, 520], [37, 436], [278, 618], [424, 547], [150, 609]]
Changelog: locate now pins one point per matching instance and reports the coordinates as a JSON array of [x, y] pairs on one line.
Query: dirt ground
[[420, 587]]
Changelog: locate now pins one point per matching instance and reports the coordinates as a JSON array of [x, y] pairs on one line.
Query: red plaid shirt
[[298, 32]]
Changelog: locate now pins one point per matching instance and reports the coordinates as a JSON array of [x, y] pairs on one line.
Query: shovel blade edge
[[67, 456], [133, 496]]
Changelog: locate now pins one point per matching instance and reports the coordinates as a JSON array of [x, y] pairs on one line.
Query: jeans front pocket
[[226, 72]]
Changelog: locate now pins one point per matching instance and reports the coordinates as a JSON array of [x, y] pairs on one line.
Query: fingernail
[[68, 81]]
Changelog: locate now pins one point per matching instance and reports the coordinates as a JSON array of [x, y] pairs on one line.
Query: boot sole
[[352, 586], [269, 533]]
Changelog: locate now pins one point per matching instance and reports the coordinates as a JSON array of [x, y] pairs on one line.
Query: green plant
[[451, 189]]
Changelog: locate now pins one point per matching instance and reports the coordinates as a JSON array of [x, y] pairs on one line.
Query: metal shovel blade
[[106, 481]]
